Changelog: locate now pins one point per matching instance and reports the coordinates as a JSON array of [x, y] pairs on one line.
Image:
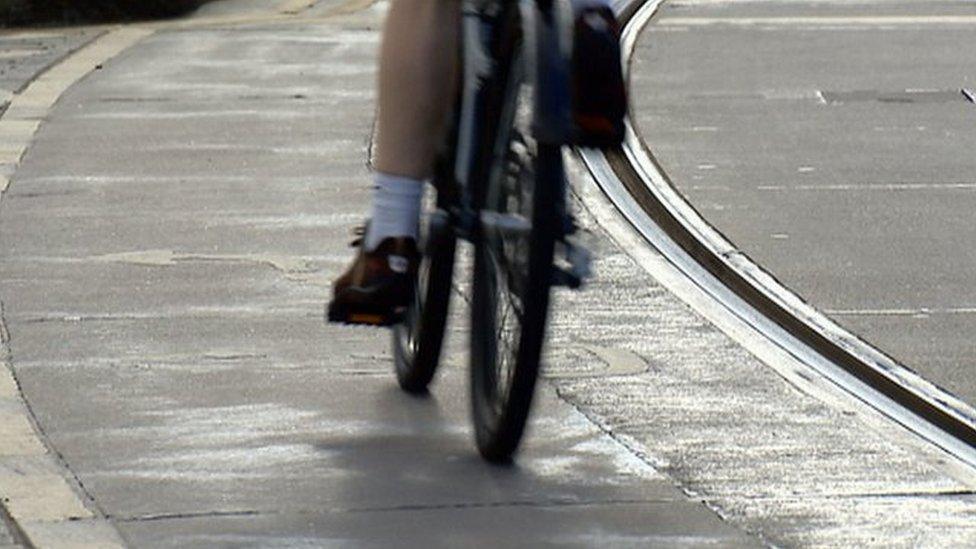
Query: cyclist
[[417, 77]]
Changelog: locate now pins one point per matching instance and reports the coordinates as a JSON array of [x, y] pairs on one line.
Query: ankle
[[396, 209]]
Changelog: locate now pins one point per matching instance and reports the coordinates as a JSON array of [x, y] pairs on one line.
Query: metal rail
[[634, 181]]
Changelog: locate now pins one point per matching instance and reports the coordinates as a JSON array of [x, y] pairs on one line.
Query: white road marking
[[30, 34], [826, 21], [165, 258], [19, 52], [917, 312], [615, 361], [871, 187]]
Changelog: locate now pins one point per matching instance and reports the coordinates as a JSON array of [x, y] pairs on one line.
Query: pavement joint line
[[865, 495], [553, 503], [39, 492]]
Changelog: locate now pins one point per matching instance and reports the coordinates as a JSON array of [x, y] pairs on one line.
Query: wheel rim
[[408, 332], [506, 273], [505, 321]]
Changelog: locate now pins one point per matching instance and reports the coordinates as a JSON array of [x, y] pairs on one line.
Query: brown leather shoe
[[378, 286]]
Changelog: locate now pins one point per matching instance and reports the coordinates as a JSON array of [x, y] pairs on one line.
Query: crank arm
[[573, 265]]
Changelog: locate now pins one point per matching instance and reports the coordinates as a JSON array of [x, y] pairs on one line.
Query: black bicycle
[[499, 184]]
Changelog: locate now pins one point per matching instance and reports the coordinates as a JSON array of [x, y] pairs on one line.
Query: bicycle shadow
[[420, 451], [412, 474]]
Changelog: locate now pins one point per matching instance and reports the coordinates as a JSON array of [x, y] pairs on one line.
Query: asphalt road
[[166, 246], [833, 143]]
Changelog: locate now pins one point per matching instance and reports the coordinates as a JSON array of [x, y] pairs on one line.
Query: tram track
[[644, 194]]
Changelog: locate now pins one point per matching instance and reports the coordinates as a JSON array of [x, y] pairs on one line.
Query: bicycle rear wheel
[[418, 339]]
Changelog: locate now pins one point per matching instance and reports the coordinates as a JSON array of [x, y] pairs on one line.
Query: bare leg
[[418, 74]]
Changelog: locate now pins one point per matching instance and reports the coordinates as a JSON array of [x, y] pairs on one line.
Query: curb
[[39, 493]]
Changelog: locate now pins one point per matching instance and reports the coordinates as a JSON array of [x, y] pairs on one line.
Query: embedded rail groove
[[651, 190]]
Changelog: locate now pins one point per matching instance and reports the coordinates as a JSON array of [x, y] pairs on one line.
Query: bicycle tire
[[418, 339], [500, 418], [522, 260]]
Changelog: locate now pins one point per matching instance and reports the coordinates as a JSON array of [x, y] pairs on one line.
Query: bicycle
[[500, 184]]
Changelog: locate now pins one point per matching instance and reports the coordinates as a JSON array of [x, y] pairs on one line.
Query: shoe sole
[[340, 315]]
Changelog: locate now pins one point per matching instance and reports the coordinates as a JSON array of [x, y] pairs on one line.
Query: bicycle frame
[[501, 185], [488, 34]]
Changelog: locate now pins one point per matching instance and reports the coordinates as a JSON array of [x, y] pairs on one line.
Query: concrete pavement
[[166, 246], [24, 54]]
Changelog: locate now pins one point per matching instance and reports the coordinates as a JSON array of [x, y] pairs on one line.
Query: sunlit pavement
[[166, 247]]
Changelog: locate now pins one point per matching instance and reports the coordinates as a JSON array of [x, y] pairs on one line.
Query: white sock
[[396, 209]]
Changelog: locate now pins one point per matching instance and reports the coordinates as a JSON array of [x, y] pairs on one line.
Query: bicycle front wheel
[[510, 293]]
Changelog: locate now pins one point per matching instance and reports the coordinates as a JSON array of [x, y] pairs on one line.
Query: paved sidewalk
[[167, 247]]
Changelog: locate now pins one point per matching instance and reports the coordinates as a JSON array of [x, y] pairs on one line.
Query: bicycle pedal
[[576, 266], [569, 226], [360, 318], [562, 278]]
